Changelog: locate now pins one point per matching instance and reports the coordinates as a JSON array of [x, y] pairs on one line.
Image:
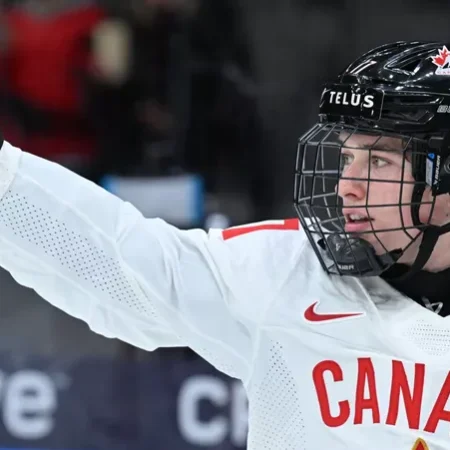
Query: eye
[[378, 162], [345, 161]]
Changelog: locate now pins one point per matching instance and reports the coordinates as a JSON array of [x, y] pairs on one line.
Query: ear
[[443, 201], [440, 211], [447, 207]]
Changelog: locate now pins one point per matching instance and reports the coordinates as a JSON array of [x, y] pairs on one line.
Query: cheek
[[406, 199], [392, 194], [385, 193], [424, 214]]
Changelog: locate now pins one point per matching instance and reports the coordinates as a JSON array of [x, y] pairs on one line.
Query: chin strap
[[356, 257], [429, 239]]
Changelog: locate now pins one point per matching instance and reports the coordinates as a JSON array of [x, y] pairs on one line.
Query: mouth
[[355, 222]]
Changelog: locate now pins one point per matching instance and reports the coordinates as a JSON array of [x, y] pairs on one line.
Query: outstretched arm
[[98, 259]]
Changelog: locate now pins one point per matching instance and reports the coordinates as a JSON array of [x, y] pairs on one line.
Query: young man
[[323, 318]]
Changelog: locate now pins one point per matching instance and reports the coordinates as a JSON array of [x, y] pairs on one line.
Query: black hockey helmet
[[399, 90]]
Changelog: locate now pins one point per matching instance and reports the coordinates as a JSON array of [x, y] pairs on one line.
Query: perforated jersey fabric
[[327, 362]]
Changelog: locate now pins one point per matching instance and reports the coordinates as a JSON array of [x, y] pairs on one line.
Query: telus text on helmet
[[345, 98]]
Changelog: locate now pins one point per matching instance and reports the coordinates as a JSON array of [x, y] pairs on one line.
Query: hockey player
[[336, 321]]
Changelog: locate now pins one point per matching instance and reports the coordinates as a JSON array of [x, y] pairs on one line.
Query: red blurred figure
[[46, 58]]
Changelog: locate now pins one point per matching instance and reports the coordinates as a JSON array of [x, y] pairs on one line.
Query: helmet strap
[[430, 237]]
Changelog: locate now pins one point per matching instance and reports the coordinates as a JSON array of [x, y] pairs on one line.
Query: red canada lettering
[[412, 401], [366, 378], [322, 395], [438, 412], [406, 393]]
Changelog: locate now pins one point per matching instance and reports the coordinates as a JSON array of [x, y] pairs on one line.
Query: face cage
[[320, 167]]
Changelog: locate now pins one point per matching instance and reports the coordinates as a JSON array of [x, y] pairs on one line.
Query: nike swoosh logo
[[311, 315]]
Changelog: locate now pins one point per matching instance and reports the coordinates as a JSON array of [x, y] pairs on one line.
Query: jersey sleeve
[[139, 280]]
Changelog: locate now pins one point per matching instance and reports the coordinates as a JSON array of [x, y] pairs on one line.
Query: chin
[[389, 241], [383, 242]]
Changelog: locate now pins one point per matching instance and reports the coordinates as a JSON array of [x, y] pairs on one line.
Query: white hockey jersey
[[327, 363]]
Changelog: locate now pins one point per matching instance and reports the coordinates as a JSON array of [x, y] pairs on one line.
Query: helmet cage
[[319, 170]]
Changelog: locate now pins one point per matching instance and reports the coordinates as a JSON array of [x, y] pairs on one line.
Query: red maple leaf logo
[[441, 58], [420, 444]]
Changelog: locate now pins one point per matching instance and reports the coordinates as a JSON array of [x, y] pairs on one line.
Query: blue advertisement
[[166, 403]]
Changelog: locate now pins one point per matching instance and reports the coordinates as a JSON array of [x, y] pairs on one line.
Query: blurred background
[[190, 109]]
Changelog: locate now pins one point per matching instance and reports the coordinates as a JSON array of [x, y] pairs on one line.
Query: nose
[[353, 184]]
